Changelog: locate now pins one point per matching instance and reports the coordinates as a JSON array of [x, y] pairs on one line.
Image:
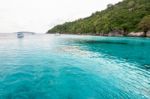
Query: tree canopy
[[124, 16], [145, 24]]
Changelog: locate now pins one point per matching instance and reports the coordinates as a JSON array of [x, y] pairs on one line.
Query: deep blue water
[[74, 67]]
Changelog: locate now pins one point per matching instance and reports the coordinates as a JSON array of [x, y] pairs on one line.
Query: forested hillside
[[124, 16]]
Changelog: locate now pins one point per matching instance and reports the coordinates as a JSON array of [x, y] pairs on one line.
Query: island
[[126, 18]]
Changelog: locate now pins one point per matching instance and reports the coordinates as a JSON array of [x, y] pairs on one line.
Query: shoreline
[[131, 34]]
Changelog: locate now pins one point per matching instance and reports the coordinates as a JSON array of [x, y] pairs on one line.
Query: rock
[[136, 34], [148, 34], [116, 33]]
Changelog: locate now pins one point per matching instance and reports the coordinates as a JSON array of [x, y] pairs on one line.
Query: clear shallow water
[[74, 67]]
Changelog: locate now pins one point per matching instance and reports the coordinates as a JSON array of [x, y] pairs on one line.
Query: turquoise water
[[74, 67]]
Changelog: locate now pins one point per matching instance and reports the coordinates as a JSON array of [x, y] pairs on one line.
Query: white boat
[[57, 34], [20, 34]]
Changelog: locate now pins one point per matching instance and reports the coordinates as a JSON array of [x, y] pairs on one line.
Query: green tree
[[145, 24]]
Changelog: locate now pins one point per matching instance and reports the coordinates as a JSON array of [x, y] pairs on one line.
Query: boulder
[[136, 34], [116, 33], [148, 34]]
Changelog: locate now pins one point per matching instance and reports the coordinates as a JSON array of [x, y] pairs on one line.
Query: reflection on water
[[74, 67]]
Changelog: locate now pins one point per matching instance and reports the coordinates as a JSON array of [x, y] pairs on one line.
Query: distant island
[[126, 18]]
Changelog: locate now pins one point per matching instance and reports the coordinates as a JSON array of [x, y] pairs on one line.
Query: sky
[[41, 15]]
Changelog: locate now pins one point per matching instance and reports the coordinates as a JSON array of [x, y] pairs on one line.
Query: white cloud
[[40, 15]]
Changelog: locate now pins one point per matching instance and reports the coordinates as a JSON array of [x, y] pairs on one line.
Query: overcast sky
[[41, 15]]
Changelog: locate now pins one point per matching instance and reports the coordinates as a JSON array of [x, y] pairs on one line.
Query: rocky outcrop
[[148, 34], [139, 34], [136, 34], [132, 34], [116, 33]]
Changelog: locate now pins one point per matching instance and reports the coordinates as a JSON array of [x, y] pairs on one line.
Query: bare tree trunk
[[145, 34]]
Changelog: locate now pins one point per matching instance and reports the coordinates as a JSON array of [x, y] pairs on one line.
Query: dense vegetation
[[145, 24], [124, 16]]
